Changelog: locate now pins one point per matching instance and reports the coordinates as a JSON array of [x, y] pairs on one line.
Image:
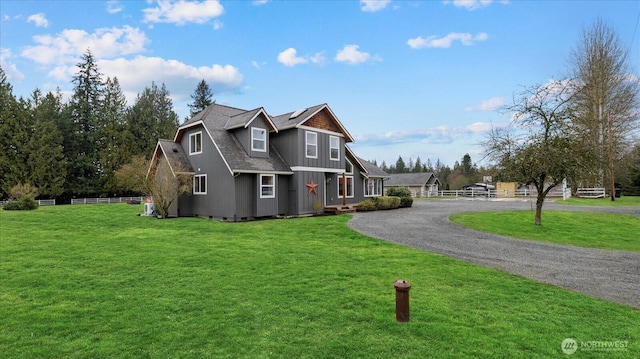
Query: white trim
[[316, 169], [206, 184], [306, 144], [331, 148], [195, 135], [272, 185], [374, 180], [345, 166], [353, 186], [258, 172], [264, 140], [319, 130]]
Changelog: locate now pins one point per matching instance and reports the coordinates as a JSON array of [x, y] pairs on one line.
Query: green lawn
[[624, 201], [583, 229], [97, 281]]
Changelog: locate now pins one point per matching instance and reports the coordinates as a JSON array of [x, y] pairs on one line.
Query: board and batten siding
[[244, 136], [219, 202]]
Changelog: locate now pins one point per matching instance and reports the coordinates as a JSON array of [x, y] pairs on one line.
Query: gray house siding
[[306, 201], [220, 198], [244, 136], [286, 143]]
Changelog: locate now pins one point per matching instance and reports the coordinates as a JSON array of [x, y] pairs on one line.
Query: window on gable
[[334, 148], [341, 187], [267, 186], [258, 139], [200, 184], [312, 144], [348, 167], [195, 143]]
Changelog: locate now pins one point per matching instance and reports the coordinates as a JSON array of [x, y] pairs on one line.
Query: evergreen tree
[[14, 134], [202, 98], [84, 170], [417, 167], [46, 163], [400, 166], [112, 152], [149, 119]]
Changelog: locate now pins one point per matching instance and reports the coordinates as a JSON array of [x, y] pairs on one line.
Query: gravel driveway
[[610, 275]]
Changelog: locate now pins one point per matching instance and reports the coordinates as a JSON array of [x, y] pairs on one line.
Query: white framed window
[[258, 139], [311, 144], [349, 186], [200, 184], [372, 187], [348, 167], [195, 143], [267, 186], [334, 148]]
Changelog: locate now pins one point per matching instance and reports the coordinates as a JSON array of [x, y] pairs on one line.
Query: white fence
[[106, 200], [521, 193], [591, 192]]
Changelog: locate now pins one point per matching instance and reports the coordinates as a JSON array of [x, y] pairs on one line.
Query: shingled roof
[[217, 120], [411, 179]]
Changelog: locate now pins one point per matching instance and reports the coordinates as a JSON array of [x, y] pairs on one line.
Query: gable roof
[[215, 119], [297, 119], [244, 119], [175, 155], [412, 179], [369, 170]]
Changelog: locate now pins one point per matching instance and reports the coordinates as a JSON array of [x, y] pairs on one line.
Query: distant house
[[247, 164], [421, 184]]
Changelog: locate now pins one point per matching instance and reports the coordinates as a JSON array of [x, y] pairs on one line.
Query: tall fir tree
[[150, 118], [112, 152], [202, 98], [14, 134], [84, 170], [46, 162]]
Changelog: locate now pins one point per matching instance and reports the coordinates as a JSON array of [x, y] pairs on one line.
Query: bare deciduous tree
[[540, 147], [606, 100], [163, 182]]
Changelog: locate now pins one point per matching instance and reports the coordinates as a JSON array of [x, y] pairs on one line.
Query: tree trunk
[[538, 212]]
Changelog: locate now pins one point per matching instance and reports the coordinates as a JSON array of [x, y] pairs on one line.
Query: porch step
[[350, 208]]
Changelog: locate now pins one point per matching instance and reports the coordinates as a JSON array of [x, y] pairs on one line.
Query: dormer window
[[334, 148], [312, 144], [195, 143], [258, 139]]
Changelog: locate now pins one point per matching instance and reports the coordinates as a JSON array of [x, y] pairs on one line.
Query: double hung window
[[195, 143]]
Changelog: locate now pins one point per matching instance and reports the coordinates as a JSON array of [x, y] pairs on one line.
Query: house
[[421, 184], [248, 164]]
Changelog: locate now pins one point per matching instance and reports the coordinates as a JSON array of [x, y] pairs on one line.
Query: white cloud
[[114, 6], [289, 58], [373, 5], [9, 68], [260, 2], [217, 24], [352, 55], [179, 77], [182, 12], [67, 46], [472, 4], [491, 104], [39, 20], [445, 42]]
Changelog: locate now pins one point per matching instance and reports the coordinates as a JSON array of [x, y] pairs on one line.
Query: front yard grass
[[97, 281], [623, 201], [582, 229]]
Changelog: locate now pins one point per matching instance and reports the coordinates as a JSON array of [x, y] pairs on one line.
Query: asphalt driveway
[[610, 275]]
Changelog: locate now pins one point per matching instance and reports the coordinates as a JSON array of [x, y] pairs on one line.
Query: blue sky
[[406, 78]]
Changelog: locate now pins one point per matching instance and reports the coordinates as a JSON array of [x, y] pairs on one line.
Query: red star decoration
[[312, 187]]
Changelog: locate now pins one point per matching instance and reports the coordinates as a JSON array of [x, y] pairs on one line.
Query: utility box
[[149, 208]]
